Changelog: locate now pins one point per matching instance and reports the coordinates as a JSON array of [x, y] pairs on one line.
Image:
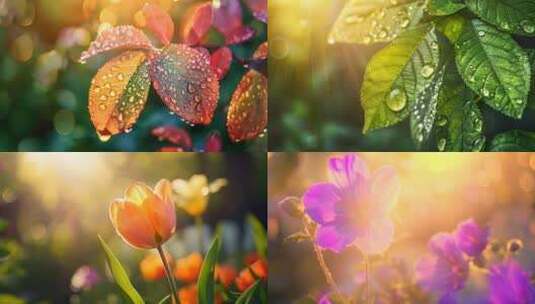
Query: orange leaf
[[118, 93], [159, 22], [261, 52], [248, 113], [117, 38], [185, 81]]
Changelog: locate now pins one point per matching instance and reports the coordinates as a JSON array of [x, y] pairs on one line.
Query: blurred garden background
[[438, 191], [52, 206], [315, 88], [44, 90]]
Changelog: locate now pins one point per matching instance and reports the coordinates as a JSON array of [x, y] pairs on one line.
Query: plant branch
[[169, 275]]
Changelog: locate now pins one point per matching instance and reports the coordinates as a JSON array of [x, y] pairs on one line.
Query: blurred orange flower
[[152, 268], [187, 269], [247, 277], [188, 295], [225, 274], [144, 218]]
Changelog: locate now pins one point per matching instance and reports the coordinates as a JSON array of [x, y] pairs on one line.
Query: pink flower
[[353, 208]]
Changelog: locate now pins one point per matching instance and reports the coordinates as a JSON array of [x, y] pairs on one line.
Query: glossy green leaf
[[259, 235], [459, 123], [249, 295], [444, 7], [372, 21], [513, 141], [494, 66], [514, 16], [397, 76], [165, 299], [11, 299], [120, 275], [206, 284]]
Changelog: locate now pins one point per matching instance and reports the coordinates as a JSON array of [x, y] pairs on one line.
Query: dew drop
[[518, 101], [102, 106], [104, 137], [353, 19], [396, 100], [405, 22], [481, 34], [427, 71], [442, 121], [527, 26]]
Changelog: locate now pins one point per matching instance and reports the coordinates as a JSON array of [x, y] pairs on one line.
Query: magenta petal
[[228, 16], [335, 237], [349, 172], [320, 201], [385, 189], [471, 238], [377, 237], [509, 283]]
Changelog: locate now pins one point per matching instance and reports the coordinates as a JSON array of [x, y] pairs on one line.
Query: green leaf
[[513, 141], [459, 124], [513, 16], [4, 252], [259, 235], [248, 296], [494, 66], [206, 284], [397, 75], [444, 7], [366, 22], [3, 224], [451, 26], [165, 299], [11, 299], [120, 275], [531, 96]]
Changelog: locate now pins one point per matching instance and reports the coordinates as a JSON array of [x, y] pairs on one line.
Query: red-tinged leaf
[[117, 38], [159, 22], [118, 93], [171, 149], [197, 24], [174, 135], [221, 60], [248, 111], [259, 9], [239, 35], [227, 16], [185, 81], [261, 52], [213, 142]]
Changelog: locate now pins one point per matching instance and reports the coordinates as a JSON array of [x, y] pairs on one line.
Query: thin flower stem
[[327, 273], [367, 263], [200, 230], [169, 275]]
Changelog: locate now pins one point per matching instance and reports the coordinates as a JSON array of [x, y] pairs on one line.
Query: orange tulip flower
[[152, 268], [188, 295], [247, 278], [145, 218], [187, 269], [225, 274]]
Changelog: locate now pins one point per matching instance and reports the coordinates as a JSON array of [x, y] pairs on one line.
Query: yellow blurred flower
[[192, 195]]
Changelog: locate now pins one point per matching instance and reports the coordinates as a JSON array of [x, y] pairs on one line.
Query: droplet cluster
[[187, 84]]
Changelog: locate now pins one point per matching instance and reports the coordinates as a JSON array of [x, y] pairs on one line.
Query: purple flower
[[471, 238], [445, 269], [353, 208], [325, 299], [509, 283], [84, 278]]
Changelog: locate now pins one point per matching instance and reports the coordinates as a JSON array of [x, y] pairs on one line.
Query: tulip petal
[[163, 190], [376, 237], [132, 224], [160, 211], [385, 189], [320, 202], [137, 193], [349, 172], [335, 237]]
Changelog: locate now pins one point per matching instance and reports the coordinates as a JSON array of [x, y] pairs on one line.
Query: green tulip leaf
[[513, 141], [366, 22], [120, 275], [494, 66], [206, 284], [513, 16], [249, 295], [259, 235]]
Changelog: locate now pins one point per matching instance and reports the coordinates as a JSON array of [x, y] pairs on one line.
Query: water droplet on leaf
[[396, 100]]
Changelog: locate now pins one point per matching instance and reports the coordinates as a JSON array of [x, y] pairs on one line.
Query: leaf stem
[[169, 275], [200, 230]]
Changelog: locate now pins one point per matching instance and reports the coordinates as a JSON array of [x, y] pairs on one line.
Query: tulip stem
[[367, 264], [169, 275], [200, 229]]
